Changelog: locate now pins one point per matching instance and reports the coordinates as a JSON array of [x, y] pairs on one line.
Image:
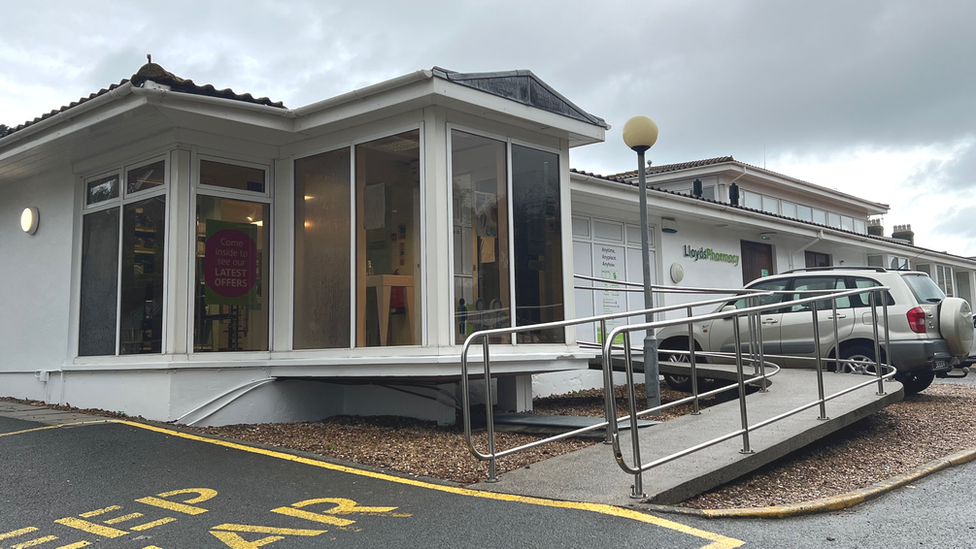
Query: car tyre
[[863, 357], [675, 381], [917, 382]]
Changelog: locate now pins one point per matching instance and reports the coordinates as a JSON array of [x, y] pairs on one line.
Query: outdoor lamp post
[[640, 134]]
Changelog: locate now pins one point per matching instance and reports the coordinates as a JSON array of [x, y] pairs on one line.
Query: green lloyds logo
[[711, 255]]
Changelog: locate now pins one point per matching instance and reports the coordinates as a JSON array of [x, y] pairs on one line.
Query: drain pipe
[[247, 388], [820, 237]]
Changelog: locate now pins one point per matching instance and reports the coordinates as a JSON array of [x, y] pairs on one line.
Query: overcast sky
[[873, 98]]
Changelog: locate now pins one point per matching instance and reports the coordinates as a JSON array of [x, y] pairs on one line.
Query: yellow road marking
[[46, 427], [15, 533], [315, 517], [203, 494], [123, 518], [230, 527], [77, 545], [152, 524], [172, 506], [235, 541], [97, 512], [91, 528], [718, 541], [33, 542]]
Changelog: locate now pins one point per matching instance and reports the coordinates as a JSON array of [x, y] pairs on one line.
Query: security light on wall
[[668, 226], [29, 219], [767, 236]]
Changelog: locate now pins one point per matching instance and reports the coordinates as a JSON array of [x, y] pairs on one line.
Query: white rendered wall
[[36, 272]]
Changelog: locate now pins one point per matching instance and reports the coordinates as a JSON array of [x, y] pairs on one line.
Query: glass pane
[[789, 209], [322, 254], [388, 231], [99, 283], [230, 176], [581, 227], [770, 204], [860, 226], [143, 232], [708, 193], [102, 189], [145, 177], [538, 243], [231, 305], [804, 213], [846, 223], [833, 220], [820, 217], [875, 260], [753, 200], [481, 266]]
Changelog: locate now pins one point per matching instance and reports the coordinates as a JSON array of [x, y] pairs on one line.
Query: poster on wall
[[610, 265], [230, 263]]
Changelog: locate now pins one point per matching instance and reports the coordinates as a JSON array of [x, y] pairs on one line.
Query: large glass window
[[388, 231], [231, 311], [322, 251], [481, 265], [141, 304], [538, 244], [122, 265], [99, 283]]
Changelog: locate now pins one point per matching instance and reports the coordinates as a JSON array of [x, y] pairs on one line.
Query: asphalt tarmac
[[145, 487]]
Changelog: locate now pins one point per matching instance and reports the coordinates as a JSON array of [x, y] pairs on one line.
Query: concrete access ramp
[[592, 475]]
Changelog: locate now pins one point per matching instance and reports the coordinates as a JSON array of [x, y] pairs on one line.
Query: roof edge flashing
[[363, 93], [66, 115]]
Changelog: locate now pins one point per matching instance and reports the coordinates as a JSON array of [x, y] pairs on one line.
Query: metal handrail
[[485, 335], [757, 359], [735, 315]]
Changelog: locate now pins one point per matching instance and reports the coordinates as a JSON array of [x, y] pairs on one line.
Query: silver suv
[[930, 333]]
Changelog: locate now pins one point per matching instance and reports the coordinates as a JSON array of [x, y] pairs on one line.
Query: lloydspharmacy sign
[[711, 255]]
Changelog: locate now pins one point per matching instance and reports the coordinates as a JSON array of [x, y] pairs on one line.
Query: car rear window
[[924, 288]]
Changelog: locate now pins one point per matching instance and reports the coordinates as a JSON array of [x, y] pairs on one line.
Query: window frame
[[566, 238], [195, 189], [120, 202]]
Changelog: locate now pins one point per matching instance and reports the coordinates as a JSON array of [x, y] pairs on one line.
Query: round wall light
[[29, 219], [677, 272]]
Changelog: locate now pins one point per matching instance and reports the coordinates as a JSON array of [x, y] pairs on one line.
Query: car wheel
[[863, 360], [955, 325], [917, 382], [675, 381]]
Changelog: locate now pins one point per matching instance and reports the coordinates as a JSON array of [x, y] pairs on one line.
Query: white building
[[204, 256]]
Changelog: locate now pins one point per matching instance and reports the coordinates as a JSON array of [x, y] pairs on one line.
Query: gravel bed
[[903, 436]]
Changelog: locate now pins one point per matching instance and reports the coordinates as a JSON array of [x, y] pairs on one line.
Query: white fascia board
[[465, 99], [416, 94], [68, 122], [224, 109]]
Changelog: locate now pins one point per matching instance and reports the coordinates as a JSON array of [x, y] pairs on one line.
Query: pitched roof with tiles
[[664, 168], [159, 75]]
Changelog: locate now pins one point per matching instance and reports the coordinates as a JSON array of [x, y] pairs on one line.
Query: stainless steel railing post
[[638, 490], [760, 345], [694, 367], [833, 308], [607, 381], [746, 449], [817, 354], [489, 415], [877, 345]]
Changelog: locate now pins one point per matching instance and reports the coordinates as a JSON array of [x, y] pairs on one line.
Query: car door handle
[[831, 317], [770, 321]]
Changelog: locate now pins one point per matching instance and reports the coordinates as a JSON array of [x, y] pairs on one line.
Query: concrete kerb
[[823, 505]]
